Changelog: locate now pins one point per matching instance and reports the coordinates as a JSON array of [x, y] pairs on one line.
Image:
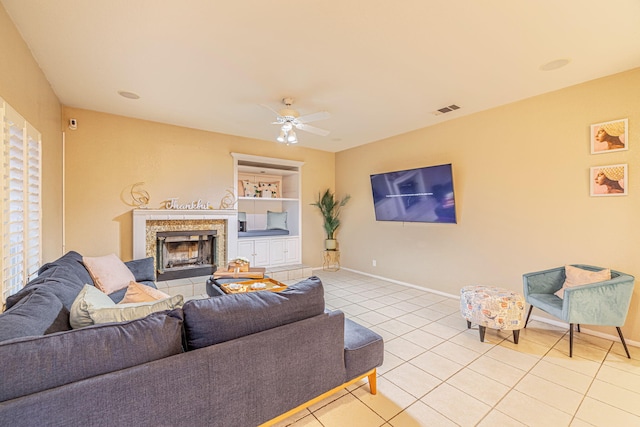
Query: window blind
[[21, 201]]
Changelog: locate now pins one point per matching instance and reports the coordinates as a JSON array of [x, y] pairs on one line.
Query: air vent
[[448, 109]]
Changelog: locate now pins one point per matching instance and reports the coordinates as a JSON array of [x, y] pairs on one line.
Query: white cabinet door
[[292, 251], [256, 251], [277, 251], [268, 252], [245, 250], [261, 251]]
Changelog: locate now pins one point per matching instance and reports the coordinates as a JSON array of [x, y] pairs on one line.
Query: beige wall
[[26, 89], [521, 178], [108, 153]]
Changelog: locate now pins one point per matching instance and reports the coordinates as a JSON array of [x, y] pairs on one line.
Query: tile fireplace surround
[[147, 222]]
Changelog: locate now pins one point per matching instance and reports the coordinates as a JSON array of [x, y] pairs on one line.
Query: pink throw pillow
[[108, 272], [577, 276]]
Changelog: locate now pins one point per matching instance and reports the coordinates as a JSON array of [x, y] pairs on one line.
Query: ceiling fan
[[288, 119]]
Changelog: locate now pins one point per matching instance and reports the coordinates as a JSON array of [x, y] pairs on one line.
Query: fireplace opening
[[185, 254]]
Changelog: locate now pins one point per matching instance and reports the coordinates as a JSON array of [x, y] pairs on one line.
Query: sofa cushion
[[34, 364], [93, 306], [137, 292], [108, 272], [143, 269], [39, 313], [215, 320]]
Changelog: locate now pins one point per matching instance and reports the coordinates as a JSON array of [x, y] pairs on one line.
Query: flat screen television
[[415, 195]]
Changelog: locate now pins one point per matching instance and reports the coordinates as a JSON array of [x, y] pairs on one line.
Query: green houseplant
[[330, 208]]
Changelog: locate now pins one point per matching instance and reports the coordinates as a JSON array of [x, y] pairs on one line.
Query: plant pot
[[330, 244]]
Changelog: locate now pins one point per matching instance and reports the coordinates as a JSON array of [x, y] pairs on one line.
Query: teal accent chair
[[603, 303]]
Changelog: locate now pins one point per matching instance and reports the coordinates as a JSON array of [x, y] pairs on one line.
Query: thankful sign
[[195, 205]]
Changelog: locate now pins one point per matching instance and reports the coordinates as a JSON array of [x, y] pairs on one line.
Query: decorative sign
[[195, 205], [139, 196], [228, 201]]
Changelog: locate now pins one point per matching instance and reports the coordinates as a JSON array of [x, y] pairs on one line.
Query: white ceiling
[[379, 67]]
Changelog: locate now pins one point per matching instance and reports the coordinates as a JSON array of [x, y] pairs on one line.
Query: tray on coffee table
[[253, 286]]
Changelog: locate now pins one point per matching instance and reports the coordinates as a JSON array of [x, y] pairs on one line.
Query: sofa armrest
[[363, 349], [603, 303]]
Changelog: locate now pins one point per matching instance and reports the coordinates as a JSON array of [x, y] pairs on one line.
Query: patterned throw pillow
[[270, 187], [250, 188]]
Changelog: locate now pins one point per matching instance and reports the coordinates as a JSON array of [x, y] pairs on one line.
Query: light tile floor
[[436, 372]]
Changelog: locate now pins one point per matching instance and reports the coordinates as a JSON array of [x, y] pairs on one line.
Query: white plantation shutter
[[33, 201], [21, 201]]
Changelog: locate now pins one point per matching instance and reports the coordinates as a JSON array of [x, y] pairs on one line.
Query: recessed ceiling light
[[129, 95], [554, 65]]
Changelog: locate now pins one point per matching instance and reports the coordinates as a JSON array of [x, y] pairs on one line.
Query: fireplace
[[147, 223], [185, 253]]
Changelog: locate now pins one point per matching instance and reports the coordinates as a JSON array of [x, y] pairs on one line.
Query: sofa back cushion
[[215, 320], [143, 269], [64, 277], [30, 365], [72, 260], [39, 312], [60, 280]]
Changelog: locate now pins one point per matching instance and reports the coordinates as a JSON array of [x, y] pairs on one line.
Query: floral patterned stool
[[492, 307]]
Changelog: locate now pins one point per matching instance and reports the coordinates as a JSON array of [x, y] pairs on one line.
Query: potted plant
[[330, 207]]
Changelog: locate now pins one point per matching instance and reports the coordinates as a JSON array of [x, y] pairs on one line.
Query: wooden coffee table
[[253, 286]]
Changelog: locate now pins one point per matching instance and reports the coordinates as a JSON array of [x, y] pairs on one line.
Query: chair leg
[[516, 335], [578, 327], [468, 324], [570, 339], [624, 344], [528, 314], [482, 330]]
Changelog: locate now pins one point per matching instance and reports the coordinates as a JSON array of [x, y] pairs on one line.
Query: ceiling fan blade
[[308, 118], [271, 109], [312, 129]]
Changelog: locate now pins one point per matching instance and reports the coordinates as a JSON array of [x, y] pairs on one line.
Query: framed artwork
[[609, 180], [609, 136]]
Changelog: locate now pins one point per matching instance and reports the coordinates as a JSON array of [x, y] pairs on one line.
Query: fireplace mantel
[[141, 216]]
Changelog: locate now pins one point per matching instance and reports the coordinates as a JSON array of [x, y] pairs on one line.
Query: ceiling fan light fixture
[[292, 139], [289, 119]]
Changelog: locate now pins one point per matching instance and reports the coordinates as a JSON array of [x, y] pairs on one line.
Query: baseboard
[[398, 282], [553, 322], [583, 330]]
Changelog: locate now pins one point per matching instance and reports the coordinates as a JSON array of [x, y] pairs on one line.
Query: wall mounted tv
[[415, 195]]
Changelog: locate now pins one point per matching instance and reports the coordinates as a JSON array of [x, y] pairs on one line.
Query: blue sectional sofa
[[233, 360]]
